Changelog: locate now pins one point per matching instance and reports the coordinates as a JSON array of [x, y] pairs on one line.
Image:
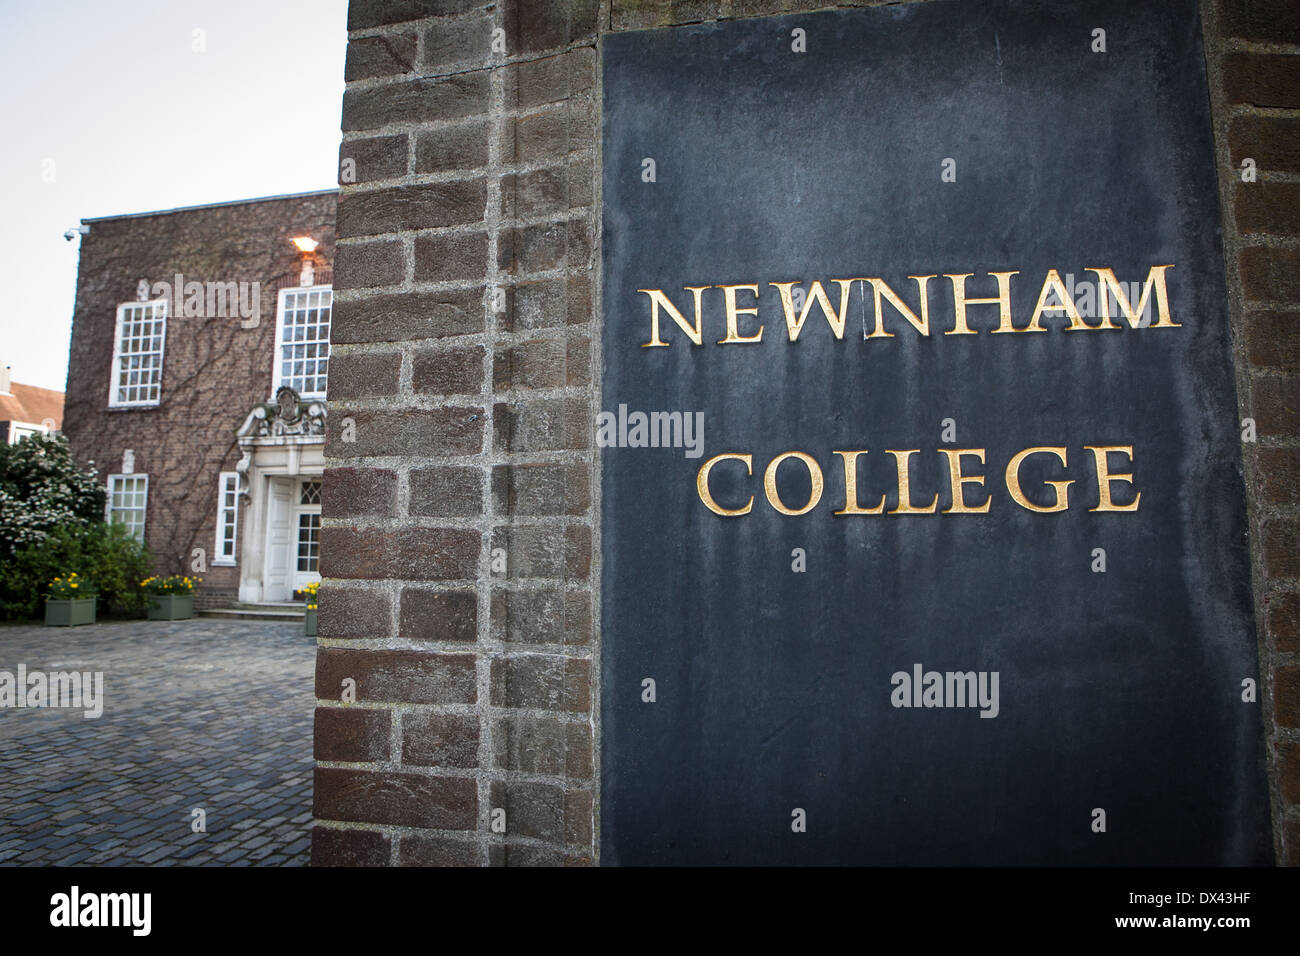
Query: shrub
[[41, 488], [106, 556]]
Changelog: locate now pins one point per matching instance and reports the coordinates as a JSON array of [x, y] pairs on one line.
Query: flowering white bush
[[41, 488]]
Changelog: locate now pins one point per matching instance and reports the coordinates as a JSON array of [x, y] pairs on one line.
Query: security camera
[[76, 231]]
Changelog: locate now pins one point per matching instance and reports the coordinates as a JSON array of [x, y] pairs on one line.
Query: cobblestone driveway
[[202, 713]]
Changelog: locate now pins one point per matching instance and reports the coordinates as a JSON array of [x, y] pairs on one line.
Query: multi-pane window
[[302, 347], [227, 517], [309, 527], [127, 495], [308, 542], [138, 353]]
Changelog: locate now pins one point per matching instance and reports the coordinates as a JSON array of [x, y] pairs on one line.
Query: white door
[[277, 579]]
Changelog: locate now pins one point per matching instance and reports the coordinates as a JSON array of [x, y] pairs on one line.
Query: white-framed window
[[138, 354], [302, 340], [127, 499], [20, 430], [309, 527], [227, 517]]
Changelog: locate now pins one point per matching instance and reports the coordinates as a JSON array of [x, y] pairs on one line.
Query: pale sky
[[135, 118]]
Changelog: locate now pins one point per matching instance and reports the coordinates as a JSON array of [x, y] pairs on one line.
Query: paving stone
[[209, 713], [156, 855]]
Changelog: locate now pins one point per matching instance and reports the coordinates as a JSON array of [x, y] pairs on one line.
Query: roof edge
[[211, 205]]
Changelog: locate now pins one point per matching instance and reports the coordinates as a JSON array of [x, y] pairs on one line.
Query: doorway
[[292, 536]]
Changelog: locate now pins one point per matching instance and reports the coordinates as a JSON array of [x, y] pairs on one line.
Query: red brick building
[[196, 384]]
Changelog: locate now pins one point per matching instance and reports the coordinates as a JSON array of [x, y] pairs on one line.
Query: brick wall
[[465, 353], [1253, 52]]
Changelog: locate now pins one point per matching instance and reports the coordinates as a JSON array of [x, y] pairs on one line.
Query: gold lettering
[[729, 296], [1107, 283], [1052, 283], [815, 294], [905, 506], [851, 487], [769, 483], [658, 300], [1104, 477], [702, 485], [1002, 300], [880, 290], [1062, 500], [959, 506]]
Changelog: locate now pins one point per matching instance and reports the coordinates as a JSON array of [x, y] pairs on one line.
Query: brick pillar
[[459, 491], [464, 346], [1253, 48]]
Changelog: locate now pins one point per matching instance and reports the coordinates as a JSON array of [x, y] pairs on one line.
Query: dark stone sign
[[924, 532]]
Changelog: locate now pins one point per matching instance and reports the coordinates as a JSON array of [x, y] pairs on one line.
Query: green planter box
[[171, 607], [69, 613], [309, 621]]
